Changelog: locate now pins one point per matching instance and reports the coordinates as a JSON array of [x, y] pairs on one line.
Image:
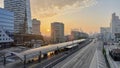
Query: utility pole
[[4, 60], [39, 58], [24, 61]]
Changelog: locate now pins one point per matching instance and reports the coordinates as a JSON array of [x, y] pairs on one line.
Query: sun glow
[[48, 30]]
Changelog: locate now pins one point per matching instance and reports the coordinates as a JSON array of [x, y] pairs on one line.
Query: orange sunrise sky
[[87, 15]]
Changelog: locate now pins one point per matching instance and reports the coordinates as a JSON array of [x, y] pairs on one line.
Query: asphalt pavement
[[80, 59]]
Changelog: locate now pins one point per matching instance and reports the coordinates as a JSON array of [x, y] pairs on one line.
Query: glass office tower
[[22, 15], [6, 26]]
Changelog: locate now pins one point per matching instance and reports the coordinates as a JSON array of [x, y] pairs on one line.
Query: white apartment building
[[105, 34], [115, 25]]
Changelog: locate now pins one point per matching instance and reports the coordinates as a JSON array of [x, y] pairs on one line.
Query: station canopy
[[31, 53]]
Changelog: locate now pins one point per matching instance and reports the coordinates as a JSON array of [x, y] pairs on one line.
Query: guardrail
[[105, 56]]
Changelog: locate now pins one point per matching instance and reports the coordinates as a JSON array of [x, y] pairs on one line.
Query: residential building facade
[[106, 34], [36, 26], [76, 34], [115, 26], [57, 32]]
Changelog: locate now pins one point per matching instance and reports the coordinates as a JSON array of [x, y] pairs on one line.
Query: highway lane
[[80, 59]]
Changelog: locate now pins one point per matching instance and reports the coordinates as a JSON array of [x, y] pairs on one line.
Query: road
[[98, 60], [80, 59]]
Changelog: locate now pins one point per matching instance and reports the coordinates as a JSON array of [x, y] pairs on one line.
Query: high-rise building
[[76, 34], [6, 27], [115, 25], [57, 32], [36, 26], [105, 34], [22, 15]]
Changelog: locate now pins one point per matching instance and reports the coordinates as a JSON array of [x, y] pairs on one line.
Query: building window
[[3, 35]]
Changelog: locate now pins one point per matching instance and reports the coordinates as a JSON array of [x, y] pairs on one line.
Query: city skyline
[[22, 15], [59, 33], [83, 13]]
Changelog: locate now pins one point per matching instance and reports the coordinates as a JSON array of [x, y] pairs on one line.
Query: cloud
[[49, 8]]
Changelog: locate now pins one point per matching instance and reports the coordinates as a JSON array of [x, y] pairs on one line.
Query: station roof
[[45, 49]]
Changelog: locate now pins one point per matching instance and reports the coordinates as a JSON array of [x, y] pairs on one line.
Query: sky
[[85, 15]]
